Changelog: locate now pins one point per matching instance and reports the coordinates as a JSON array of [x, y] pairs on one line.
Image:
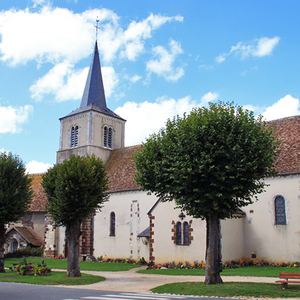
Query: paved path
[[130, 281]]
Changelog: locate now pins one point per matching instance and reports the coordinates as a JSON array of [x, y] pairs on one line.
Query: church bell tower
[[92, 128]]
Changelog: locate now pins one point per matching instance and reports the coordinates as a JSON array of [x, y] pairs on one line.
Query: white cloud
[[137, 32], [40, 2], [110, 80], [12, 118], [66, 83], [140, 122], [163, 66], [208, 97], [265, 46], [61, 37], [135, 78], [34, 167], [258, 48], [285, 107], [221, 58], [44, 35], [56, 34]]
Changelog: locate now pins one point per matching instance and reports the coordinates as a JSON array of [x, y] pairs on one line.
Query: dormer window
[[107, 137], [74, 136]]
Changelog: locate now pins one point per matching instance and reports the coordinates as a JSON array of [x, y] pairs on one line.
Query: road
[[18, 291]]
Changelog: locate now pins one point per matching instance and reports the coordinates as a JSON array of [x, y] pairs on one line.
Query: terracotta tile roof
[[39, 197], [120, 169], [28, 234], [288, 131]]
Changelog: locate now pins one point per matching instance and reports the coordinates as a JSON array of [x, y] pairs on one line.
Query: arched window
[[74, 136], [14, 245], [186, 240], [112, 224], [107, 137], [178, 233], [280, 217]]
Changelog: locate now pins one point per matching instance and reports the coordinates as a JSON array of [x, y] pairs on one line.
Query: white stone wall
[[131, 218], [261, 236]]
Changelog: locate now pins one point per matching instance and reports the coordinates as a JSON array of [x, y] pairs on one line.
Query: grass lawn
[[84, 265], [230, 289], [55, 278], [244, 271]]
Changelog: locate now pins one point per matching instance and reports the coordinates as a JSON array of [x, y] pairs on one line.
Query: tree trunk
[[212, 260], [72, 235], [2, 232]]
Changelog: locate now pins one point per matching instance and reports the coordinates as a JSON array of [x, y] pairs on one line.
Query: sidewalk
[[130, 281]]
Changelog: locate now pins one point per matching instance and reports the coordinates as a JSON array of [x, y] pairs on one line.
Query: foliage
[[209, 161], [75, 188], [26, 251], [15, 188], [142, 261], [232, 264], [23, 266], [41, 268], [15, 194]]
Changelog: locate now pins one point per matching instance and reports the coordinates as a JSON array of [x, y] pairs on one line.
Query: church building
[[133, 224]]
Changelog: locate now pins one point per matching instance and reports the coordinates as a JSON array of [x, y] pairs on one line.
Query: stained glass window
[[178, 233], [112, 224], [186, 233], [280, 217]]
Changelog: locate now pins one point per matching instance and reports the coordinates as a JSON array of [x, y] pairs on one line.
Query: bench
[[289, 277]]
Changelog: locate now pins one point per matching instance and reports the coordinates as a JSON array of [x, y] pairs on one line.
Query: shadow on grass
[[230, 289]]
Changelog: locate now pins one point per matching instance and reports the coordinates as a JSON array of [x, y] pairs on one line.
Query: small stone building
[[18, 237]]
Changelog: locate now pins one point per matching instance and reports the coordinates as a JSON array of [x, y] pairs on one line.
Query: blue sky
[[159, 59]]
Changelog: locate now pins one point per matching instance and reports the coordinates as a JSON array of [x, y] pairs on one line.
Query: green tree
[[15, 194], [211, 163], [75, 189]]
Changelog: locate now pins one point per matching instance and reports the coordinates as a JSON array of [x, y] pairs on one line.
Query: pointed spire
[[94, 90]]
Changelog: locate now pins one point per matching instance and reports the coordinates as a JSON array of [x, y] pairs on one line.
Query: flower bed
[[26, 268], [41, 269], [226, 265]]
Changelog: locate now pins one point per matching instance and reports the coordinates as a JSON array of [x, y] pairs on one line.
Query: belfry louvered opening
[[107, 137], [74, 136]]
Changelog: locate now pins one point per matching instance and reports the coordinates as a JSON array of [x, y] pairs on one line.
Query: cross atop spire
[[93, 96], [97, 27]]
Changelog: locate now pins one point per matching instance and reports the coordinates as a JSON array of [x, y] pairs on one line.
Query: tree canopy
[[75, 189], [210, 162], [15, 194]]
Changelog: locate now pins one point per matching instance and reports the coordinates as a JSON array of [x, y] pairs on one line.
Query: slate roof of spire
[[93, 96]]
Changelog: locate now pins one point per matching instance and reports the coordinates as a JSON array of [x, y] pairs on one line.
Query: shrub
[[25, 252], [41, 268]]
